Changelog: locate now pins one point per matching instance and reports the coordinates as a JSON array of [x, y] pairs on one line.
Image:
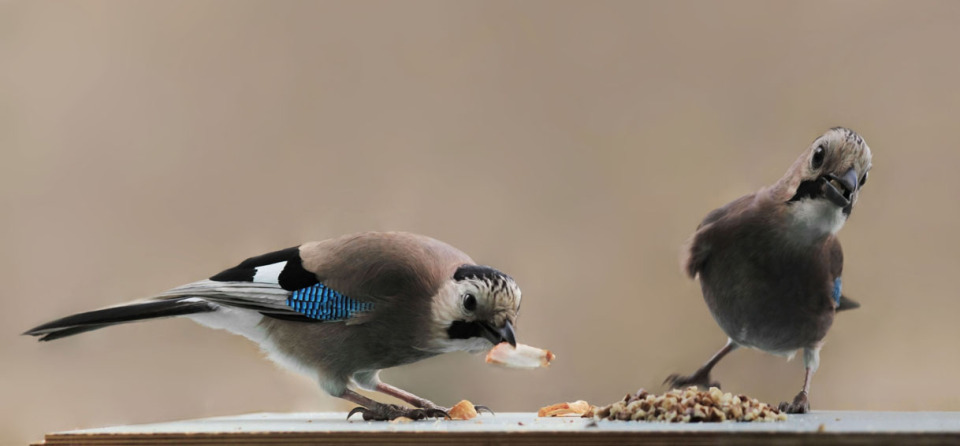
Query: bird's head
[[475, 310], [824, 183]]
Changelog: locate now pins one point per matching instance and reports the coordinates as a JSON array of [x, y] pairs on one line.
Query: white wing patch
[[269, 273]]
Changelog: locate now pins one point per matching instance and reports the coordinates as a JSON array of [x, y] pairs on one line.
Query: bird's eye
[[469, 302], [818, 155], [864, 179]]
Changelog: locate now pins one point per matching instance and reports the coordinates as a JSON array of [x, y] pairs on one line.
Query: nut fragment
[[689, 405], [575, 408], [521, 357], [463, 410]]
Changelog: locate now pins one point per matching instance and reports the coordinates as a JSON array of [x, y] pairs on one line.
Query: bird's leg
[[407, 397], [701, 377], [417, 401], [800, 404], [373, 410]]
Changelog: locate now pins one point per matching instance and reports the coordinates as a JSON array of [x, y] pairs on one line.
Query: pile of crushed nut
[[685, 406]]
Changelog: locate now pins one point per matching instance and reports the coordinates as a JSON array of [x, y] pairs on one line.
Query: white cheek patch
[[269, 273]]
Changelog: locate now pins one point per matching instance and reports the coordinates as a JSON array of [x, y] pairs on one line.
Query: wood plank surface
[[820, 427]]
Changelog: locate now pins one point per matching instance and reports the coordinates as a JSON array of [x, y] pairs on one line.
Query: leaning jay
[[342, 309], [769, 263]]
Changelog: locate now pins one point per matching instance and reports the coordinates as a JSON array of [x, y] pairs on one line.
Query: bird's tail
[[137, 311], [847, 303]]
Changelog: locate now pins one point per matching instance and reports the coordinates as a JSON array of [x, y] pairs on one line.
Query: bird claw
[[701, 380], [800, 404], [387, 412], [481, 409], [432, 413], [356, 410]]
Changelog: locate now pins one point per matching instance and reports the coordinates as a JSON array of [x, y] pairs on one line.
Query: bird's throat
[[814, 218]]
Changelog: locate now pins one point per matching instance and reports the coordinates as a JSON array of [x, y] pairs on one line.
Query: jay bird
[[769, 263], [342, 309]]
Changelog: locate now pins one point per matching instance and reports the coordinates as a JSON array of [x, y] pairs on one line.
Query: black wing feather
[[292, 278]]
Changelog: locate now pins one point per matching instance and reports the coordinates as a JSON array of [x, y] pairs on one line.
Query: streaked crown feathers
[[502, 289]]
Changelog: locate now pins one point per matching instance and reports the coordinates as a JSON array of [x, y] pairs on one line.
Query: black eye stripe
[[464, 330]]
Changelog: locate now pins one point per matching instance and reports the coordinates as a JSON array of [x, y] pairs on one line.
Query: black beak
[[848, 183], [498, 335]]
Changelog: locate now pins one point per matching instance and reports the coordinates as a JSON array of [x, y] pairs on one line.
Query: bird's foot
[[699, 379], [800, 404], [386, 412]]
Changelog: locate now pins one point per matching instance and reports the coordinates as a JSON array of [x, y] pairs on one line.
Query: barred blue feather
[[320, 302], [837, 286]]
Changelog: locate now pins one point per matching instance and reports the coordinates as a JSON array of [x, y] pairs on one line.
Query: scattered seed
[[688, 405]]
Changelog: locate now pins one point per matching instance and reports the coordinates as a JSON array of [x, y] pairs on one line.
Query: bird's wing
[[834, 258], [267, 298], [338, 279], [276, 285], [381, 266], [697, 250]]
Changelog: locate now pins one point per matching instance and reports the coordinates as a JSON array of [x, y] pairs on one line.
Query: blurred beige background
[[574, 145]]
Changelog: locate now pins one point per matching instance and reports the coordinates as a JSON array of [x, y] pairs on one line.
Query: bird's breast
[[767, 292]]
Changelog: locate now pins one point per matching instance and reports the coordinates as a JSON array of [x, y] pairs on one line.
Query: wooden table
[[819, 427]]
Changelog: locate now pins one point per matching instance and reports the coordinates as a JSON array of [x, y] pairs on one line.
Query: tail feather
[[93, 320], [62, 333], [847, 303]]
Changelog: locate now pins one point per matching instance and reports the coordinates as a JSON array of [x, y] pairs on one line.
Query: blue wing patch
[[837, 286], [319, 302]]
